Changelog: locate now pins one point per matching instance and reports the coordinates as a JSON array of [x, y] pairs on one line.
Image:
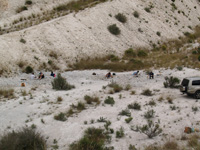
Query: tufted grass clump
[[23, 139], [149, 114], [141, 53], [135, 106], [114, 29], [60, 83], [109, 100], [128, 119], [125, 112], [147, 92], [116, 87], [93, 139], [129, 53], [61, 117], [91, 100], [121, 18], [120, 133]]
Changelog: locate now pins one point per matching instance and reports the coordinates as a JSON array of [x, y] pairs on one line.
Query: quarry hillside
[[35, 33]]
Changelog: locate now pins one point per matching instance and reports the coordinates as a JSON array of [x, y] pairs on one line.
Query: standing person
[[151, 75]]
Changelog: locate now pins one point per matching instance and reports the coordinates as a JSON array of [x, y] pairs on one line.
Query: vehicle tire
[[197, 95]]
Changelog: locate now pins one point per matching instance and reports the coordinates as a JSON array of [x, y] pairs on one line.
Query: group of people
[[41, 75], [135, 73]]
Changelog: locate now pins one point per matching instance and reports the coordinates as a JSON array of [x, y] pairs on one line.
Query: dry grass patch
[[90, 100], [7, 93]]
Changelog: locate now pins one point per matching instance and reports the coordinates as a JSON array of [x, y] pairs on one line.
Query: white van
[[191, 86]]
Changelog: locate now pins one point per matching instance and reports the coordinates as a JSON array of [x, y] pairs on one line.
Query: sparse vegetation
[[125, 112], [93, 139], [90, 99], [120, 133], [135, 106], [149, 114], [116, 87], [7, 93], [61, 117], [147, 92], [150, 129]]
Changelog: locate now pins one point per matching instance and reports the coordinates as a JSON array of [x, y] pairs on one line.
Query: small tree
[[171, 82], [60, 83]]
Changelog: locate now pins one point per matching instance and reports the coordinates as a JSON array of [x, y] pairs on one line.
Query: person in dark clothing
[[151, 75]]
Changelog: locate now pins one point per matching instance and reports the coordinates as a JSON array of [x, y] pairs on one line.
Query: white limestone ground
[[84, 34], [24, 111]]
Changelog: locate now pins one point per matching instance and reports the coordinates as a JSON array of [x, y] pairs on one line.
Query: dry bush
[[53, 54], [90, 99], [7, 93], [24, 139]]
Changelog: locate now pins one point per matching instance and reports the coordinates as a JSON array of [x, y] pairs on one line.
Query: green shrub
[[149, 114], [28, 2], [147, 92], [120, 133], [109, 100], [60, 83], [151, 129], [179, 68], [128, 119], [114, 29], [93, 139], [171, 82], [152, 103], [135, 106], [22, 41], [61, 117], [24, 139], [129, 53], [125, 112], [158, 33], [141, 53], [136, 14], [147, 9], [121, 18], [29, 69]]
